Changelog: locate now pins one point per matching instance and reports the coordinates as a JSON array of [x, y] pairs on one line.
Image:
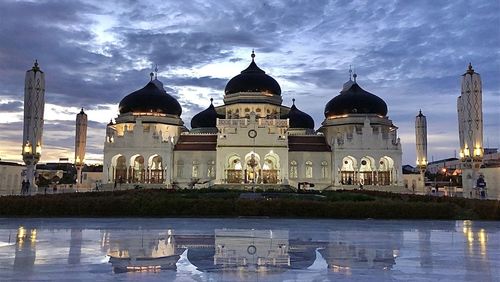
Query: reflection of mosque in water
[[25, 249], [144, 252], [248, 250]]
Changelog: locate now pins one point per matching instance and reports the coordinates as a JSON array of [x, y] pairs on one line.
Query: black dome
[[253, 79], [299, 119], [206, 118], [355, 100], [150, 99]]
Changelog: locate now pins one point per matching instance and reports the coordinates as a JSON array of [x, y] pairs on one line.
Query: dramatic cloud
[[410, 53]]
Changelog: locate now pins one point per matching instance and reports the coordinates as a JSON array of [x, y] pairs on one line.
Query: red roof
[[313, 143], [196, 143]]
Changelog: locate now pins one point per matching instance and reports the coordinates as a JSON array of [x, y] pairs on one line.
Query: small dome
[[253, 79], [206, 118], [299, 119], [355, 100], [150, 99]]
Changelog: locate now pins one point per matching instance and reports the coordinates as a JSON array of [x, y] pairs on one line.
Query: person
[[97, 186], [349, 181], [23, 186], [361, 185], [114, 185]]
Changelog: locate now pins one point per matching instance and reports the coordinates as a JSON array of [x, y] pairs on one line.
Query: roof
[[204, 142], [313, 143]]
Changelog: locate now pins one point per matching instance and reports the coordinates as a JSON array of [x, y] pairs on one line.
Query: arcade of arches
[[138, 170], [367, 171], [252, 168]]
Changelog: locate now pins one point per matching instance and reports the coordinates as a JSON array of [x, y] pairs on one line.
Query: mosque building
[[253, 139]]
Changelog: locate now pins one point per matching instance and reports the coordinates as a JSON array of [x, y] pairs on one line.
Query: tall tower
[[80, 143], [470, 114], [34, 103], [421, 141]]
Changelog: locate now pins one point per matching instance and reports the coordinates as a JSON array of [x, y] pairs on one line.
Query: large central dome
[[253, 79], [152, 98], [355, 100]]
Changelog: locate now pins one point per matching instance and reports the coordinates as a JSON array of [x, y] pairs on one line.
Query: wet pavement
[[247, 249]]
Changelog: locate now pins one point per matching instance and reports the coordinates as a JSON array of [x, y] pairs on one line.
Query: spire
[[35, 66], [211, 101], [293, 101], [156, 71], [253, 55], [354, 76], [151, 74], [470, 70], [350, 72]]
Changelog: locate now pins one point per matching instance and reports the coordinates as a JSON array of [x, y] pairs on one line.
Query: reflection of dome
[[299, 119], [355, 100], [253, 79], [206, 118], [151, 98]]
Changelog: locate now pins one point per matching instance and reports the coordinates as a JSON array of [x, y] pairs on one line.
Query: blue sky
[[409, 53]]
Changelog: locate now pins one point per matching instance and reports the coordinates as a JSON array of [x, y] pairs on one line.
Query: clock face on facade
[[252, 133]]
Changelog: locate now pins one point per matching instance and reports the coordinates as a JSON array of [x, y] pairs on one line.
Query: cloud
[[94, 53]]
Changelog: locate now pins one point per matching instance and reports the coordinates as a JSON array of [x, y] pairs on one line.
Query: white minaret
[[34, 103], [421, 141], [80, 143], [470, 114]]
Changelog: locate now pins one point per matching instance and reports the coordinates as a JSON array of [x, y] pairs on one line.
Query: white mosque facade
[[252, 139]]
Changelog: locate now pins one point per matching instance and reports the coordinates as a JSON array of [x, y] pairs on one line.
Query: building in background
[[34, 103], [11, 177]]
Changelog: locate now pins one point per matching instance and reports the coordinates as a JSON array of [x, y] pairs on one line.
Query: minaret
[[470, 114], [34, 103], [421, 141], [80, 142]]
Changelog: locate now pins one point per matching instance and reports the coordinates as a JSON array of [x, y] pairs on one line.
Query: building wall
[[11, 178], [492, 178]]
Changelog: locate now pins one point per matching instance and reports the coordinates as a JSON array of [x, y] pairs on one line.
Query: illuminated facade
[[252, 139]]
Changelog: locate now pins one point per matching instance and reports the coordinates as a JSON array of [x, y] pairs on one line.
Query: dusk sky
[[410, 53]]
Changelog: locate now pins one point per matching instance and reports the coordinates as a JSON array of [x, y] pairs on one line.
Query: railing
[[232, 122], [274, 122]]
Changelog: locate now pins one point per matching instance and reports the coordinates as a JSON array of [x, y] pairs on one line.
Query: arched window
[[324, 169], [180, 168], [195, 169], [293, 169], [309, 169], [211, 169]]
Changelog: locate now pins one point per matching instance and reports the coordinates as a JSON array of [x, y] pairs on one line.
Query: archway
[[234, 169], [119, 164], [348, 169], [271, 168], [155, 165], [137, 169], [386, 165], [253, 169], [366, 171]]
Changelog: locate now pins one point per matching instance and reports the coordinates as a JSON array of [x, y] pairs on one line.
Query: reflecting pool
[[248, 249]]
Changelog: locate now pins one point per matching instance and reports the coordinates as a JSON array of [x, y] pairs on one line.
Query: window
[[309, 169], [195, 169], [180, 168], [324, 169], [293, 169], [211, 169]]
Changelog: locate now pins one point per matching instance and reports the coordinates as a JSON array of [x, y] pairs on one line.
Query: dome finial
[[350, 72], [354, 76], [211, 101], [470, 69], [35, 66], [293, 101], [156, 71], [253, 55], [151, 74]]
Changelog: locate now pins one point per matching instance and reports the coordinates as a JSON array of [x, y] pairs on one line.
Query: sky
[[410, 53]]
